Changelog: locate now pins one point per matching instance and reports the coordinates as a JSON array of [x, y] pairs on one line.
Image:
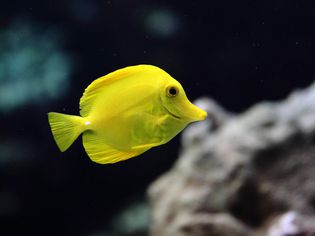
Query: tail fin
[[65, 128]]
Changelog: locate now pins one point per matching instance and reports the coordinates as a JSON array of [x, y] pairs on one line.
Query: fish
[[125, 113]]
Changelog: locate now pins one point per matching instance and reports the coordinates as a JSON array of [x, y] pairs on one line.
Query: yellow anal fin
[[147, 146], [102, 153]]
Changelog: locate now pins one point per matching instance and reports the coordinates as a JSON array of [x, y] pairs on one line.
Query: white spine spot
[[87, 122]]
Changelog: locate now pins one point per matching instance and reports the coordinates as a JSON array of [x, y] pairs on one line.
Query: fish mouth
[[172, 114]]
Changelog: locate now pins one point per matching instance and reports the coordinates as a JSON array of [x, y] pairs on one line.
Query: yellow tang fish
[[125, 113]]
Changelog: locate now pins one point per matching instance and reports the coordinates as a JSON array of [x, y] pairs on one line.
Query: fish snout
[[192, 113]]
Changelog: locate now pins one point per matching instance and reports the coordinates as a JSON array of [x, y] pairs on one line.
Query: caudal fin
[[65, 128]]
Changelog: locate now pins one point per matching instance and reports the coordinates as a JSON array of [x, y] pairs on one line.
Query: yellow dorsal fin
[[97, 85]]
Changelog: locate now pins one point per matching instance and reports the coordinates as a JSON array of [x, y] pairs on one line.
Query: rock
[[242, 174], [292, 224]]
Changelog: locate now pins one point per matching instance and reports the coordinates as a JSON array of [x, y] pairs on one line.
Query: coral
[[132, 220], [246, 174], [33, 67]]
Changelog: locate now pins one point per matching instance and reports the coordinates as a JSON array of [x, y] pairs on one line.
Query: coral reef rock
[[247, 174]]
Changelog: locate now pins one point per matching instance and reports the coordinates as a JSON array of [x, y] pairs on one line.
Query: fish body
[[125, 113]]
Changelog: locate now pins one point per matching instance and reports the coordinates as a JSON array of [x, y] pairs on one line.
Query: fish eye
[[171, 91]]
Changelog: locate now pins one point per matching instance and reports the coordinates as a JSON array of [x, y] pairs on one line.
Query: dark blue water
[[237, 53]]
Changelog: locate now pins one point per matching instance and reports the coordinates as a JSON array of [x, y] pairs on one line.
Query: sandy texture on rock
[[242, 174]]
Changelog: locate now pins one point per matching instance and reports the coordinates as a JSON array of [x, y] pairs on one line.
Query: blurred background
[[237, 52]]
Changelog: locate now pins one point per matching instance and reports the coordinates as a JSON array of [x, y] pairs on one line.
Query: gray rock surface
[[247, 174]]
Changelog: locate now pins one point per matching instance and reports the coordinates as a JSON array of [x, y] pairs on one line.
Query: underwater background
[[237, 52]]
